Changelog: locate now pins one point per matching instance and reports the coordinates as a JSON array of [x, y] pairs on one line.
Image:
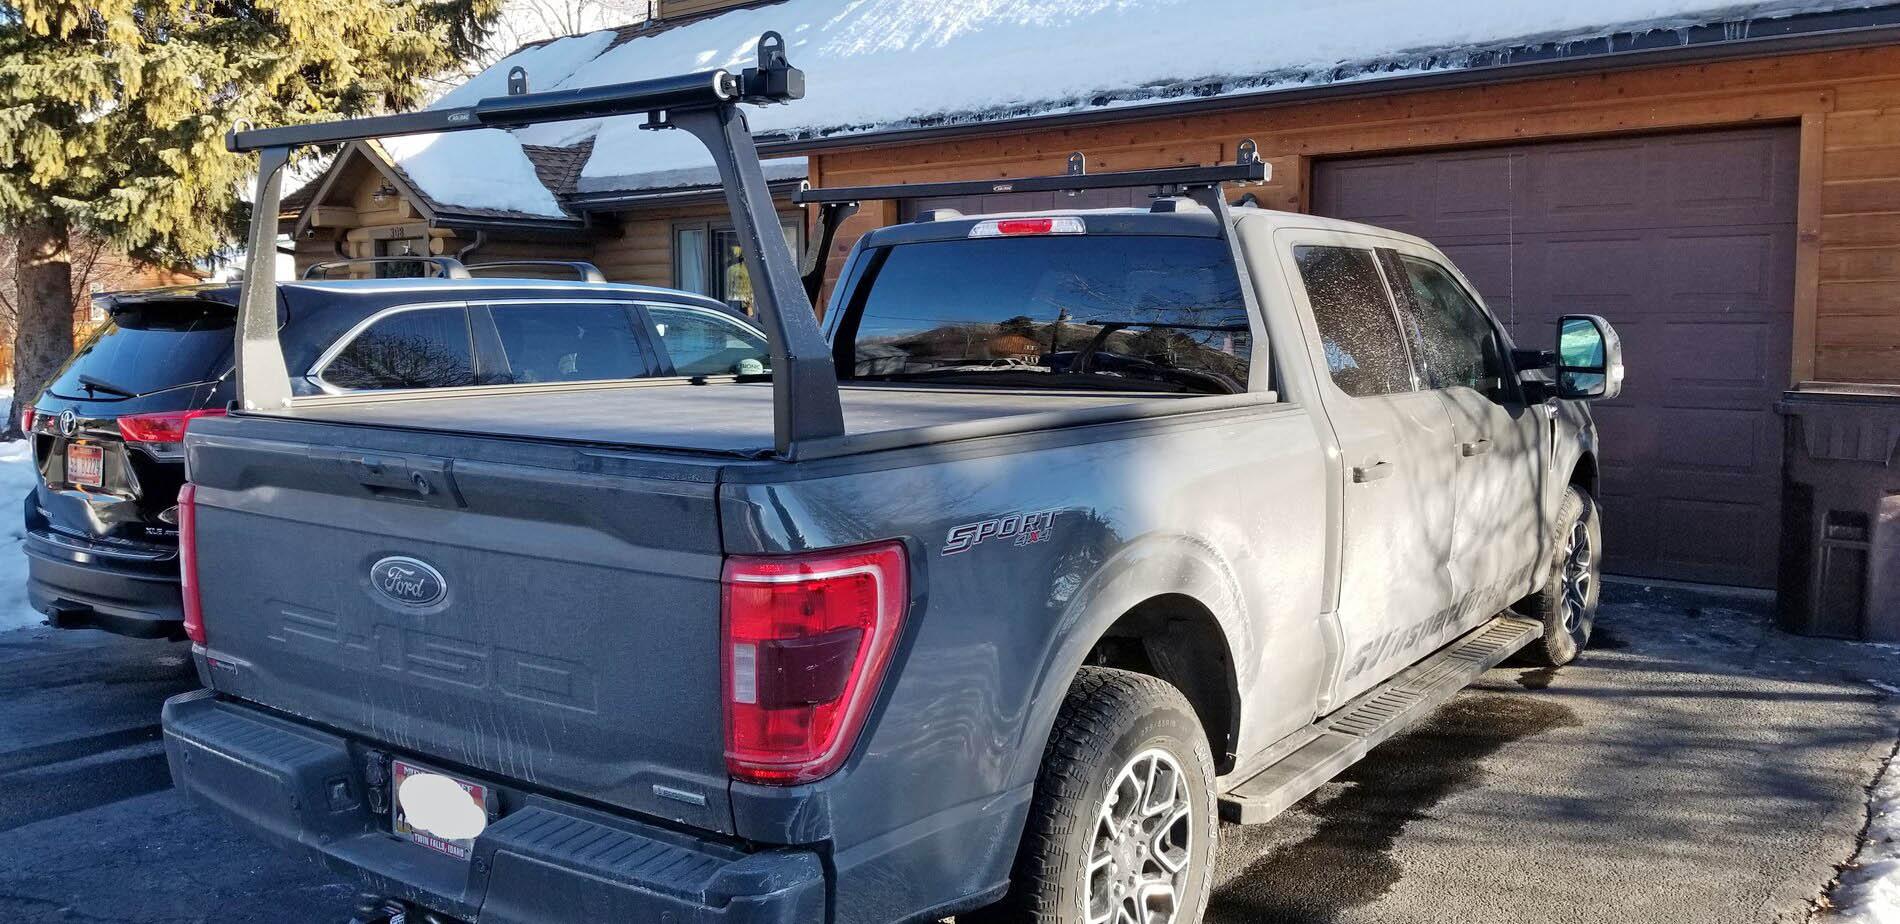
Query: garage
[[1686, 243]]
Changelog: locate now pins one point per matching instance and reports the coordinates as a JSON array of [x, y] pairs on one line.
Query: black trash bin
[[1840, 534]]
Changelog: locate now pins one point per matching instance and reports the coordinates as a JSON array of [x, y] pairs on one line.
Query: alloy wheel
[[1579, 575], [1138, 854]]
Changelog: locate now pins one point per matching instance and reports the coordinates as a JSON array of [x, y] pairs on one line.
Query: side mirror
[[1589, 358]]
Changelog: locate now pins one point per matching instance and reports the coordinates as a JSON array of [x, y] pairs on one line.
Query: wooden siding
[[674, 9], [1847, 273], [1857, 323], [643, 251]]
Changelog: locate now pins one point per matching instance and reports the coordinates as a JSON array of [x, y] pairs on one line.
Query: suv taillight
[[806, 640], [164, 427], [188, 561], [27, 414]]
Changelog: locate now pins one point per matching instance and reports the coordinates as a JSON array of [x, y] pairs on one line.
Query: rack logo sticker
[[1019, 528]]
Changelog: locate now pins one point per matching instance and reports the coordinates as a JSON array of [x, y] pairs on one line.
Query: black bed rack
[[703, 103], [1170, 180]]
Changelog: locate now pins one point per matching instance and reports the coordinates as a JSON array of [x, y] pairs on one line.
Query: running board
[[1380, 713]]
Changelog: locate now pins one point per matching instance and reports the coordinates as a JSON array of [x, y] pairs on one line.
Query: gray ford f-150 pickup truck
[[1082, 532]]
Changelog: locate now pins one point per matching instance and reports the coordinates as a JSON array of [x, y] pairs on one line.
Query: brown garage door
[[1686, 243]]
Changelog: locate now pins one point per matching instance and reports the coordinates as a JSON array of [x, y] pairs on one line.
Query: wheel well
[[1175, 638], [1584, 475]]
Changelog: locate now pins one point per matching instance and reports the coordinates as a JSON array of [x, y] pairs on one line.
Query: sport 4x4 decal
[[1023, 528]]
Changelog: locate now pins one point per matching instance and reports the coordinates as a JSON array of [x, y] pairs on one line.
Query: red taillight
[[26, 418], [188, 561], [166, 427], [807, 638]]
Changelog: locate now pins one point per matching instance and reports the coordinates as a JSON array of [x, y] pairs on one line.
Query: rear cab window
[[1138, 312]]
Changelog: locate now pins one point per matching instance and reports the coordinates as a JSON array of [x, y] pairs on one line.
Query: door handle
[[1362, 474], [1474, 448]]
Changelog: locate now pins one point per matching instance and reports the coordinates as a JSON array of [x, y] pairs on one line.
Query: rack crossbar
[[1255, 172]]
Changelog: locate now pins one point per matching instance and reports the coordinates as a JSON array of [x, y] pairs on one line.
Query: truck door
[[1395, 592], [1465, 360]]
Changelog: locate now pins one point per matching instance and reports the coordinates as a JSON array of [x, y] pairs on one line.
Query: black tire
[[1567, 603], [1108, 720]]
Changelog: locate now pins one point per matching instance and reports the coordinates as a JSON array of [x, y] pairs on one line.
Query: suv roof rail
[[445, 267], [582, 270]]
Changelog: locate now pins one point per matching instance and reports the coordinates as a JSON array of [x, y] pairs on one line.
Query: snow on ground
[[16, 479], [1869, 889]]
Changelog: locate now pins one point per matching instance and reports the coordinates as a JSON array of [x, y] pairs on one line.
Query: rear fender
[[1150, 567]]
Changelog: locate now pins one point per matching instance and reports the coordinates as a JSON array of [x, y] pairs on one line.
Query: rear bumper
[[543, 860], [141, 602]]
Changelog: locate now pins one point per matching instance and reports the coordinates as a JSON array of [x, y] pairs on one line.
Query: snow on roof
[[874, 65], [483, 168], [547, 65], [635, 158]]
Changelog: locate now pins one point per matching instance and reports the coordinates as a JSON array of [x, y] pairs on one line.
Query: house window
[[707, 259], [402, 247]]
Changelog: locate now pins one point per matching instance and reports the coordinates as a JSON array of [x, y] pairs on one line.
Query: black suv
[[108, 432]]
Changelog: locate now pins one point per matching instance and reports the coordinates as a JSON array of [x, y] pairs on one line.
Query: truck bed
[[729, 417]]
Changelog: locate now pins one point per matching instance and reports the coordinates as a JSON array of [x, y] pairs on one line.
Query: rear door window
[[150, 347], [422, 348], [1357, 326], [1136, 312], [565, 342], [702, 342]]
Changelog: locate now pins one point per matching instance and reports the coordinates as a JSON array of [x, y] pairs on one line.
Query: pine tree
[[113, 114]]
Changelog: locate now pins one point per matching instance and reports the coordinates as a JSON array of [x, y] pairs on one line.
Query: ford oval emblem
[[408, 581]]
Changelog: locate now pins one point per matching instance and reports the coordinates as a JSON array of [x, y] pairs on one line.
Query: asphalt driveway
[[1698, 766]]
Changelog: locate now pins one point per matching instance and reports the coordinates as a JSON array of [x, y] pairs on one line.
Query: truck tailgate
[[542, 614]]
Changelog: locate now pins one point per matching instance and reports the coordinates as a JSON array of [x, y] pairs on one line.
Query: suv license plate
[[85, 464], [426, 799]]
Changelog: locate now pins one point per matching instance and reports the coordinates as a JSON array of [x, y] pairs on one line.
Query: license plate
[[86, 464], [481, 800]]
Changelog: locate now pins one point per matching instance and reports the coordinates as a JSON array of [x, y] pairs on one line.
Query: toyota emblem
[[68, 422]]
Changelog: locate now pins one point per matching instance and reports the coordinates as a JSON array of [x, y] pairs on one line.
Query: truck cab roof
[[1171, 216]]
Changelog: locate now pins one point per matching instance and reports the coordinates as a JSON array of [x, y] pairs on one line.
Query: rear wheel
[[1567, 603], [1122, 826]]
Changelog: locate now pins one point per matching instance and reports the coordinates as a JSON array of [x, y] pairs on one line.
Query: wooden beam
[[333, 216]]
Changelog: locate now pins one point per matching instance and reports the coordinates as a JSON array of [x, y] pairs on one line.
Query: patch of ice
[[482, 168], [1869, 888], [17, 477]]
